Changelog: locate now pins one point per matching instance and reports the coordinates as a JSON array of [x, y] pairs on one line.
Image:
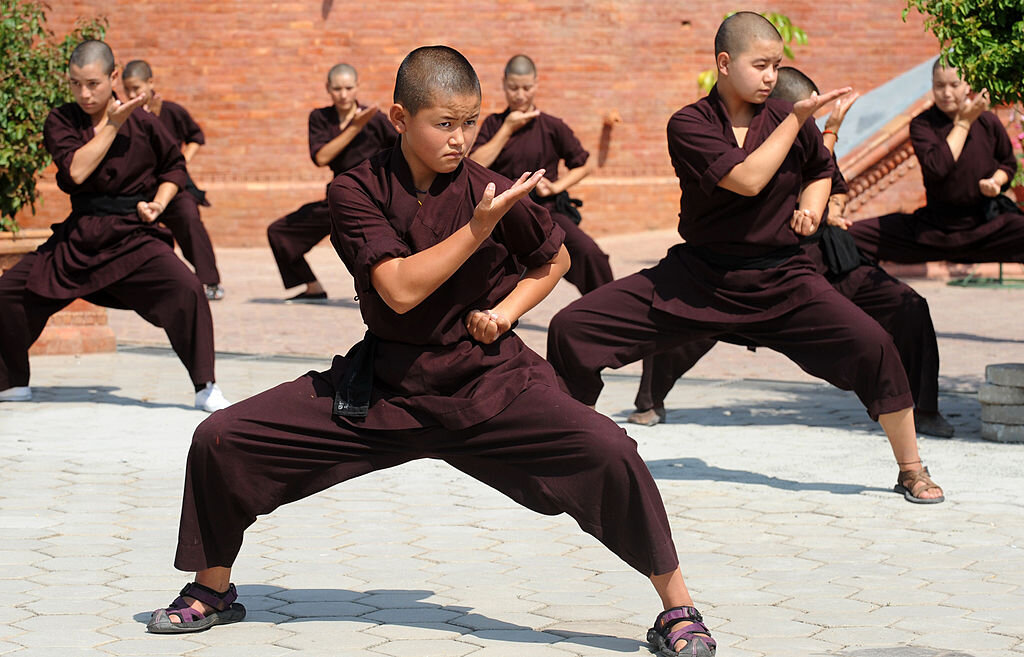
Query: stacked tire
[[1002, 403]]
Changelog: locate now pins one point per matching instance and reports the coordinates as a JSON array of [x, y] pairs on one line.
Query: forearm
[[749, 177], [534, 286], [165, 193], [89, 156], [1000, 177], [334, 147], [814, 196], [572, 177], [403, 283], [189, 150], [957, 137], [487, 153], [830, 139]]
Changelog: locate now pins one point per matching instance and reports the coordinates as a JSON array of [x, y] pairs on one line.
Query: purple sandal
[[663, 636], [225, 610]]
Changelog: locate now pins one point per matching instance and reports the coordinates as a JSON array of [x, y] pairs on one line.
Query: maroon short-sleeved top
[[540, 144], [428, 371], [954, 200], [88, 252], [325, 125], [703, 150]]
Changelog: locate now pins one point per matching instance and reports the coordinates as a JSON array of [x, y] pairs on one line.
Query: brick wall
[[251, 70]]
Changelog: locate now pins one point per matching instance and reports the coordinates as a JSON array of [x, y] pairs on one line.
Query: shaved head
[[92, 51], [137, 69], [940, 65], [520, 65], [434, 73], [793, 85], [342, 69], [736, 33]]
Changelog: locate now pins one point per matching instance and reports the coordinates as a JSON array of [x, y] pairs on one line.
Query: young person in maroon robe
[[446, 256], [341, 135], [896, 306], [182, 213], [967, 162], [522, 138], [121, 169], [755, 178]]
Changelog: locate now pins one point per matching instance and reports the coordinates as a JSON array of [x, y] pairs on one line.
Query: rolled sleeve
[[62, 139], [360, 233], [931, 150], [530, 234], [170, 165], [699, 150], [569, 148], [1004, 156], [819, 162], [319, 133]]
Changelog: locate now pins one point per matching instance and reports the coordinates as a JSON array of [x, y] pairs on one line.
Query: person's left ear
[[398, 116]]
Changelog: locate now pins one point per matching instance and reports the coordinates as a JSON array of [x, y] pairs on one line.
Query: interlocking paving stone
[[819, 540]]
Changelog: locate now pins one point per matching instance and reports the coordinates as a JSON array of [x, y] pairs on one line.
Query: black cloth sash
[[726, 261], [564, 204], [200, 195], [101, 204], [354, 385], [840, 251], [998, 205]]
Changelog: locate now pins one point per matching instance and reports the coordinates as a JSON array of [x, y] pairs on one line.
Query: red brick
[[250, 73]]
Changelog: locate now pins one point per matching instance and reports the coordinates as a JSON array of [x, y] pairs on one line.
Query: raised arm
[[751, 175], [486, 153], [404, 282], [334, 147], [89, 156], [966, 115]]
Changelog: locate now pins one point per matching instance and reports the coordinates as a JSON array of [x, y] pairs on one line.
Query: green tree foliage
[[32, 82], [983, 40], [790, 33]]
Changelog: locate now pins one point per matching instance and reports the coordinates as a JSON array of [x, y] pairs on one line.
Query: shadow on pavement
[[692, 469], [977, 338], [402, 607], [896, 651], [96, 395], [339, 303]]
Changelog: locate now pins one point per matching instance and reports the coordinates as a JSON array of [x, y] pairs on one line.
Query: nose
[[458, 139]]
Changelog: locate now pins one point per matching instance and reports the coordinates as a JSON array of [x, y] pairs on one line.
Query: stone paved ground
[[778, 489]]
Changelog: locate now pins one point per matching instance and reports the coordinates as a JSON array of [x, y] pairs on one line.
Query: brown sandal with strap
[[913, 482]]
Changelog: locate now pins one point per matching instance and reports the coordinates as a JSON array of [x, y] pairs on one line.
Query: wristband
[[162, 206], [962, 124], [830, 132]]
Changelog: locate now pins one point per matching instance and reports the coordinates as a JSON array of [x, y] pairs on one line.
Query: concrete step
[[1002, 413], [993, 394], [1005, 374], [1002, 433]]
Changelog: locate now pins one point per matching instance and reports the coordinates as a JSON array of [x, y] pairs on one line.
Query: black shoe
[[308, 297], [931, 423]]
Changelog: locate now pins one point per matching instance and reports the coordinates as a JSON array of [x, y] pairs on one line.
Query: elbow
[[77, 177], [562, 262], [747, 188], [399, 303]]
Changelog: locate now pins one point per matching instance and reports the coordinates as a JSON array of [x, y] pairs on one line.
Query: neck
[[740, 111], [422, 177], [99, 119]]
